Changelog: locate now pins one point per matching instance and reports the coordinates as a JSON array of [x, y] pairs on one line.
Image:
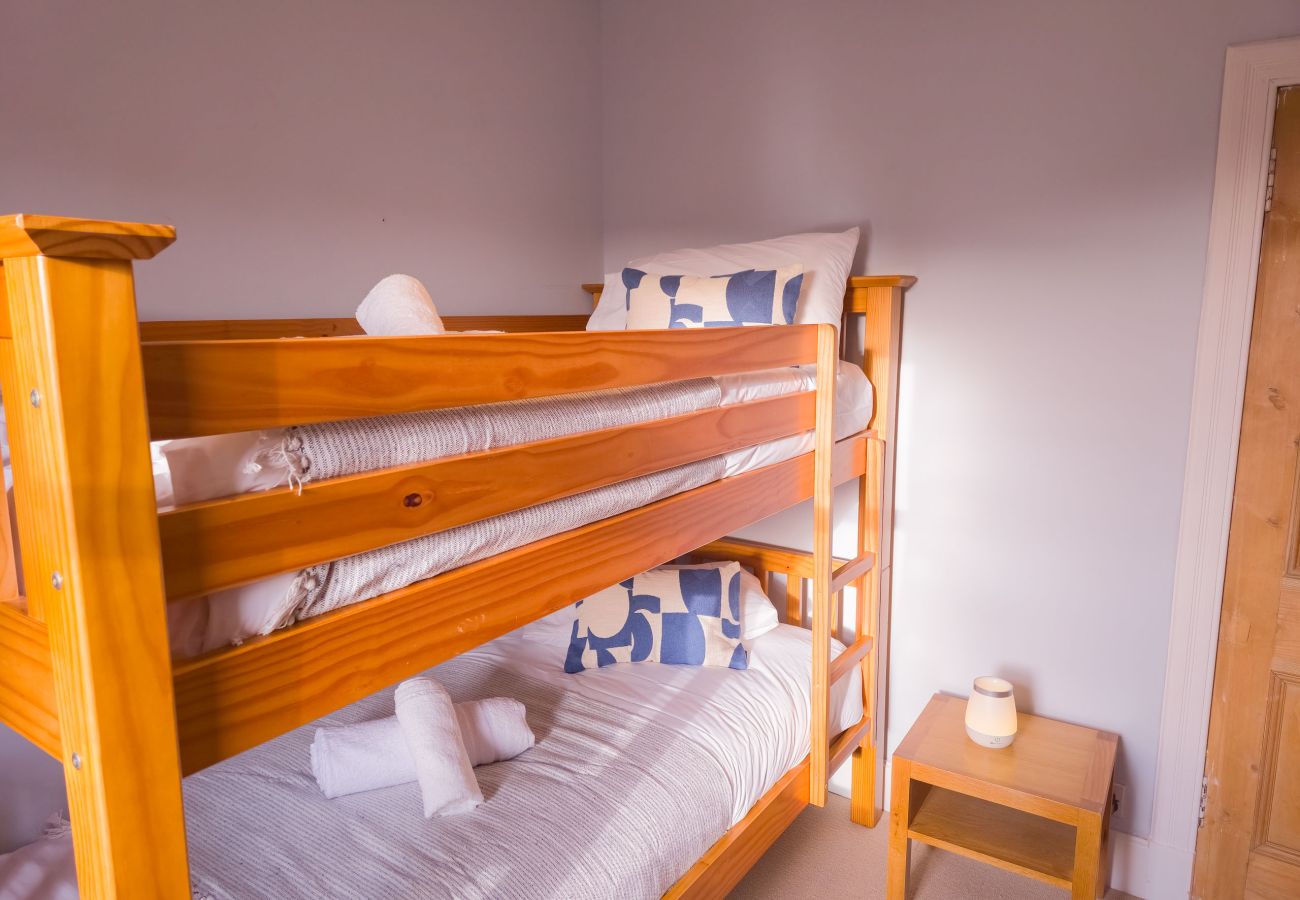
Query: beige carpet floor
[[823, 854]]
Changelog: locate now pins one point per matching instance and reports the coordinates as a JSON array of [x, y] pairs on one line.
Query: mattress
[[638, 770], [217, 466]]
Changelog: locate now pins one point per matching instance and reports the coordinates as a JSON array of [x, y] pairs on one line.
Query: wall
[[1045, 169], [305, 150]]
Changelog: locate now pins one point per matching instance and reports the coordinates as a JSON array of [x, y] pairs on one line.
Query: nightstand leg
[[900, 848], [1087, 857]]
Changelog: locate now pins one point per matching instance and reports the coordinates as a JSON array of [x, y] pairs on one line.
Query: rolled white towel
[[372, 755], [399, 305], [432, 734]]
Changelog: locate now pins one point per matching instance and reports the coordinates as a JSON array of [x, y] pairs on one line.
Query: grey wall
[[1045, 169], [305, 150]]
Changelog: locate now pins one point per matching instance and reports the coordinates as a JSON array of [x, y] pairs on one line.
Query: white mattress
[[233, 615], [754, 723]]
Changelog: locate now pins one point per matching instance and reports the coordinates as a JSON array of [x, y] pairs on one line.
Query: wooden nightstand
[[1040, 807]]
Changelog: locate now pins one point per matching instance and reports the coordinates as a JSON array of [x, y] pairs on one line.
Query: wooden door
[[1249, 843]]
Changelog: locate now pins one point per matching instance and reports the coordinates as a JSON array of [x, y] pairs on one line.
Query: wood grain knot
[[412, 500], [1275, 397]]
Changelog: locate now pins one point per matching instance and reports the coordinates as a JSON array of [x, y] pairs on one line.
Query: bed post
[[881, 302], [823, 561], [89, 534]]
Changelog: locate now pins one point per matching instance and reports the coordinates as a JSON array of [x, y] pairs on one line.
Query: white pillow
[[826, 259], [399, 305]]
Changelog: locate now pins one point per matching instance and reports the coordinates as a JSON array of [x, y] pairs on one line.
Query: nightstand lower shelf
[[999, 835]]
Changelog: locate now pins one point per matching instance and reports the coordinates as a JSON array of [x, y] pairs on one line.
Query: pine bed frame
[[85, 667]]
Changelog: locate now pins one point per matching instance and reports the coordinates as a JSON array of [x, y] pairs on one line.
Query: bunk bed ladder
[[89, 540]]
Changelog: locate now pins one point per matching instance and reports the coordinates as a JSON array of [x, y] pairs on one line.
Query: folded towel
[[399, 305], [372, 755], [428, 720]]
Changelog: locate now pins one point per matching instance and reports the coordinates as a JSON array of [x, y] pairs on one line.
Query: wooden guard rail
[[216, 387]]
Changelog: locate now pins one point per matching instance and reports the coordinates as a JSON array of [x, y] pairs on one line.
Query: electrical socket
[[1117, 800]]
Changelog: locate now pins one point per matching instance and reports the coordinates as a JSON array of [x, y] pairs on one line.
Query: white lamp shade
[[991, 712]]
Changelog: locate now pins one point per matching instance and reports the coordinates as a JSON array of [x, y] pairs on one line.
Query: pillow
[[399, 305], [752, 297], [687, 617], [758, 615], [826, 261]]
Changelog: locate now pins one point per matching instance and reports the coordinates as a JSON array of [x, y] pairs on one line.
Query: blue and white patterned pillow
[[686, 617], [752, 297]]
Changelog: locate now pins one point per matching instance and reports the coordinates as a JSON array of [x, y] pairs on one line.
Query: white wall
[[1045, 169], [304, 150]]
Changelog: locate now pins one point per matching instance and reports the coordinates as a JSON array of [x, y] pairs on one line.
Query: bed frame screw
[[412, 500], [35, 397], [76, 760], [57, 580]]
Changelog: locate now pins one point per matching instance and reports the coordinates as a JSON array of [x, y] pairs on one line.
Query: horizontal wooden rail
[[851, 571], [215, 387], [27, 679], [236, 698], [850, 657], [252, 329], [844, 745], [797, 563], [221, 543]]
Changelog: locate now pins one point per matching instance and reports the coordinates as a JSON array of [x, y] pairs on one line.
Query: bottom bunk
[[638, 775]]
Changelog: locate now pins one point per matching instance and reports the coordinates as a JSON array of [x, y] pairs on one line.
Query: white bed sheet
[[755, 723], [757, 727]]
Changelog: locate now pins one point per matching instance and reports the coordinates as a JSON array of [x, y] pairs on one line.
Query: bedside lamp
[[991, 712]]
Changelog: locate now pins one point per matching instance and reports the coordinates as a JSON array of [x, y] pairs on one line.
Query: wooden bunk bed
[[86, 672]]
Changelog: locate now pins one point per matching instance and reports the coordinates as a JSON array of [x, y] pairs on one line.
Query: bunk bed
[[87, 671]]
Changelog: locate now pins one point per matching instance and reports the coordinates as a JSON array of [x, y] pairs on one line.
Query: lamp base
[[992, 741]]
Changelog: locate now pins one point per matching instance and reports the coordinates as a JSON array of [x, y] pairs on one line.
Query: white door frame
[[1252, 76]]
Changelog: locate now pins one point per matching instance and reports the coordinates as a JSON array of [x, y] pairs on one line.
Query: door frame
[[1253, 73]]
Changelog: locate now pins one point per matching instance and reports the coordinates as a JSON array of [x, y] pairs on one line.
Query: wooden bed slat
[[769, 556], [236, 698], [255, 329], [27, 680], [221, 543], [215, 387]]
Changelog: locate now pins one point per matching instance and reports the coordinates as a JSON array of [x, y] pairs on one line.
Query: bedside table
[[1040, 807]]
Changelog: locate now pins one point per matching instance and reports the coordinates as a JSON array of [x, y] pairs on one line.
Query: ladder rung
[[852, 655], [851, 571], [847, 742]]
